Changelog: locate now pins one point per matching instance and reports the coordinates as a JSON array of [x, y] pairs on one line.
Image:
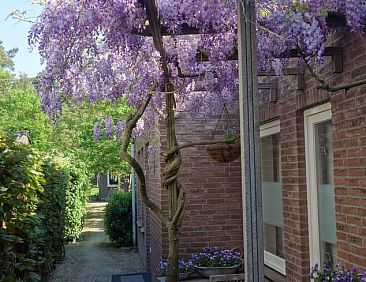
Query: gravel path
[[94, 258]]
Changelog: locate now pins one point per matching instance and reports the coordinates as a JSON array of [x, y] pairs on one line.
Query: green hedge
[[21, 231], [51, 210], [76, 198], [42, 202], [118, 219]]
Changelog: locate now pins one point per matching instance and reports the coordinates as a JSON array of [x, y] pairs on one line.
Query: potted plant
[[225, 152], [185, 268], [212, 261], [338, 274]]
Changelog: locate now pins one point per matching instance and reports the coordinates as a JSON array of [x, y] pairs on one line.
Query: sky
[[14, 34]]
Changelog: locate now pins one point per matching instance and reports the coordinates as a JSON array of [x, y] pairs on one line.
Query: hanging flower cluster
[[111, 129], [94, 49]]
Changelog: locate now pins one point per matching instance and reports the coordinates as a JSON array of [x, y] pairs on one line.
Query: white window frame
[[108, 181], [271, 260], [312, 117]]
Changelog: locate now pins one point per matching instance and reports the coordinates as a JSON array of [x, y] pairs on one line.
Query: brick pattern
[[294, 196], [349, 137], [349, 144], [150, 240], [214, 205], [293, 183], [213, 214]]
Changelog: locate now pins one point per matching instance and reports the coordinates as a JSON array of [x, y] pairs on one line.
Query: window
[[320, 188], [272, 196], [112, 180]]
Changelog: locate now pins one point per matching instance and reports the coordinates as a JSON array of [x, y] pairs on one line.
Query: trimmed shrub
[[76, 199], [42, 201], [118, 219], [51, 210]]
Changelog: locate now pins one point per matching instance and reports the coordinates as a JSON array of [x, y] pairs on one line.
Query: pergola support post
[[250, 143]]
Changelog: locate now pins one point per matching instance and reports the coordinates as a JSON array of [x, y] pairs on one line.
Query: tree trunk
[[176, 196], [171, 183], [173, 161], [173, 268]]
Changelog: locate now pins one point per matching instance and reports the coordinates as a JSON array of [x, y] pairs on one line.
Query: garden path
[[94, 258]]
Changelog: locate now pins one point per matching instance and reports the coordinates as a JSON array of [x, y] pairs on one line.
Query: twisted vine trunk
[[174, 190], [170, 182], [176, 196]]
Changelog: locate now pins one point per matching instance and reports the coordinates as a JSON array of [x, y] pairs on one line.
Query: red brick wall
[[214, 207], [349, 135], [349, 143], [213, 214]]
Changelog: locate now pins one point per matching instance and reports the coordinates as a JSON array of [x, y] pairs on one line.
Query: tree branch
[[126, 139], [140, 174], [133, 119], [309, 68], [325, 85], [346, 86], [200, 143], [171, 171]]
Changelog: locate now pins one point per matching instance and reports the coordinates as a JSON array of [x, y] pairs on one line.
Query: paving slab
[[94, 258]]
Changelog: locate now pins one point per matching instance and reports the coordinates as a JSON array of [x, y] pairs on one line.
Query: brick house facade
[[321, 149], [213, 213]]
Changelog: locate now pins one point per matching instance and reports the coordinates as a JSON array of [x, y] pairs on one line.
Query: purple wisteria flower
[[109, 126], [120, 127], [213, 257], [97, 132], [100, 58]]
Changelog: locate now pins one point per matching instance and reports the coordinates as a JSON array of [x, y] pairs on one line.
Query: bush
[[42, 201], [51, 210], [118, 219], [76, 199], [21, 231]]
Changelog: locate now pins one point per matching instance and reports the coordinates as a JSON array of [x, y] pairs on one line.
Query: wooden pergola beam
[[335, 52], [333, 20], [286, 71], [184, 29], [294, 53], [250, 143]]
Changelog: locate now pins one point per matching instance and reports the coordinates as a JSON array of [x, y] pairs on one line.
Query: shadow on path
[[94, 258]]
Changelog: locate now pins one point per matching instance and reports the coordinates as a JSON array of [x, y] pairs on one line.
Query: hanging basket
[[224, 153]]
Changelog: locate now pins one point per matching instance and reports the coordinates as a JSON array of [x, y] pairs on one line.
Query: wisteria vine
[[93, 49]]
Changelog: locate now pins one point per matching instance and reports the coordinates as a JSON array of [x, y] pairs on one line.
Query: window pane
[[272, 195], [113, 180], [326, 197]]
